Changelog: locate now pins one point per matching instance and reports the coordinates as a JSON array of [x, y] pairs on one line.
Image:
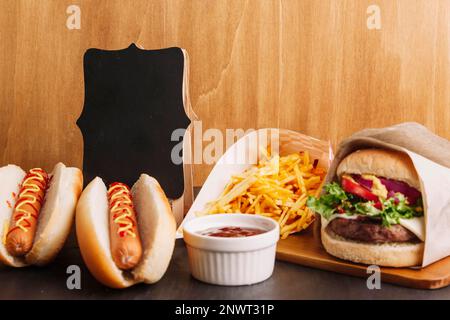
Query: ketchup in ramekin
[[231, 232]]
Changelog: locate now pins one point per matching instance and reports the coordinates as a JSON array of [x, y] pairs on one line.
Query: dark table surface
[[289, 281]]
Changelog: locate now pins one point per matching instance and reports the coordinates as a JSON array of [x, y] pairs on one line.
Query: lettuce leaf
[[396, 208], [327, 204], [393, 209]]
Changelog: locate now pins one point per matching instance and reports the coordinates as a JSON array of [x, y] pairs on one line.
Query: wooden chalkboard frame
[[181, 206]]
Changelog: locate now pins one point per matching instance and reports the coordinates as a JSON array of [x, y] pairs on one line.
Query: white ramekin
[[231, 261]]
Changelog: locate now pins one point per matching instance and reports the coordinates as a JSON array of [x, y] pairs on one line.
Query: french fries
[[277, 187]]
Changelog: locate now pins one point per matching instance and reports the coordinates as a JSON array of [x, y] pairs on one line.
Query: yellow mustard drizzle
[[29, 188], [122, 204]]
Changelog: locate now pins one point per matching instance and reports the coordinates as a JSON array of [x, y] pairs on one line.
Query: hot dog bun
[[55, 218], [156, 225], [57, 214]]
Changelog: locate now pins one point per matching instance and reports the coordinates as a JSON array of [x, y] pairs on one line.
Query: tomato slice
[[358, 190]]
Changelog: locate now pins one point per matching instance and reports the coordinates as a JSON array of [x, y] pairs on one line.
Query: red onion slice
[[363, 182], [394, 186]]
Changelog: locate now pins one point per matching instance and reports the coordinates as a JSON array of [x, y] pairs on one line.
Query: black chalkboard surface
[[133, 103]]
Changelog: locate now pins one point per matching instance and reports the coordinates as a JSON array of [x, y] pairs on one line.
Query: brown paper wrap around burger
[[430, 155]]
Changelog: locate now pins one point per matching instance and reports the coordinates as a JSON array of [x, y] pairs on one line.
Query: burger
[[374, 213]]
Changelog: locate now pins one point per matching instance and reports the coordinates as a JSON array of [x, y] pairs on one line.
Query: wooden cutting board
[[305, 250]]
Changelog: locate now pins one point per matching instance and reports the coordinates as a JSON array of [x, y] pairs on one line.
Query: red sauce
[[231, 232]]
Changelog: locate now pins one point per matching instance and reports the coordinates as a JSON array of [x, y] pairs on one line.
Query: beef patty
[[369, 230]]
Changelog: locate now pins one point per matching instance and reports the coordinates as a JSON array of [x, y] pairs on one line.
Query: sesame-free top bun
[[156, 225], [55, 217], [380, 162]]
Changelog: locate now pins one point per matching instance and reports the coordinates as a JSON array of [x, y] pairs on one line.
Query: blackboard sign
[[133, 103]]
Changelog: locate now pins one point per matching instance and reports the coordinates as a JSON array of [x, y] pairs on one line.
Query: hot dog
[[36, 213], [126, 246], [106, 221], [22, 229]]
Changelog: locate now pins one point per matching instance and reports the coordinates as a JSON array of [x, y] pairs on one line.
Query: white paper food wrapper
[[430, 155], [246, 152]]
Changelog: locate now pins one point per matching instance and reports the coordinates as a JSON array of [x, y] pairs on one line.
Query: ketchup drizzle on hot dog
[[122, 209], [34, 182]]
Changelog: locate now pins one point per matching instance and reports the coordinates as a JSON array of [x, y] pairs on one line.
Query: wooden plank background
[[311, 66]]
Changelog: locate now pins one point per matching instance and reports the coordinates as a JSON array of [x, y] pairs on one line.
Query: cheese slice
[[415, 225]]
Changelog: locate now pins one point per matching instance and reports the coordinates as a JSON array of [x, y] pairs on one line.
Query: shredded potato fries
[[277, 187]]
